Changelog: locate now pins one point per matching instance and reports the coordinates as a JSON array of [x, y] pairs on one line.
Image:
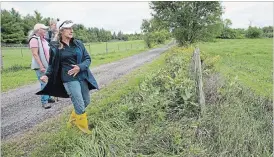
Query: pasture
[[250, 61], [21, 56], [16, 61]]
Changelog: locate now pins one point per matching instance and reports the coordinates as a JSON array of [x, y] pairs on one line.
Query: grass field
[[17, 70], [22, 56], [248, 60], [153, 111]]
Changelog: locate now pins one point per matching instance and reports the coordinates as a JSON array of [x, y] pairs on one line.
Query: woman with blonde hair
[[69, 75]]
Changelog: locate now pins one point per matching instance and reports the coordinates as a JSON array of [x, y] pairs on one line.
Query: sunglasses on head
[[65, 22]]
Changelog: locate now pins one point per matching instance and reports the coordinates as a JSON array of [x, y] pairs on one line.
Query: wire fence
[[20, 54], [4, 45], [96, 48]]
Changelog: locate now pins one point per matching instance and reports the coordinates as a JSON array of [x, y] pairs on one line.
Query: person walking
[[40, 57], [69, 76]]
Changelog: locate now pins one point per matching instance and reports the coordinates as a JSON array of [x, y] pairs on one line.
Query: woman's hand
[[42, 69], [74, 71], [44, 78]]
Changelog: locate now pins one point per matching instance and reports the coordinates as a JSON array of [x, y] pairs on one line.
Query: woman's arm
[[50, 67], [87, 59]]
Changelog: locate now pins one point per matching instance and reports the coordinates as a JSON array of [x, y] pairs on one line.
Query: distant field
[[22, 56], [17, 70], [248, 59]]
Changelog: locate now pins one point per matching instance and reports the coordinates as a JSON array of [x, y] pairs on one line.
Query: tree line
[[240, 33], [187, 21], [15, 28], [194, 21]]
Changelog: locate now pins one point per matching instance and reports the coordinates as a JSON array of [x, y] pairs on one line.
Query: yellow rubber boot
[[82, 123], [72, 119]]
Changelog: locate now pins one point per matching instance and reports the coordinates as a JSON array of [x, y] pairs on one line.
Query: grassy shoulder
[[154, 112], [18, 76], [52, 131], [248, 60]]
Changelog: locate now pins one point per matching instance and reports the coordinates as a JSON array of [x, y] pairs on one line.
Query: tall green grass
[[157, 115]]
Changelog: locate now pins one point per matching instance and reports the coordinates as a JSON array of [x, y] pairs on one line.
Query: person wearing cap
[[40, 57], [69, 75]]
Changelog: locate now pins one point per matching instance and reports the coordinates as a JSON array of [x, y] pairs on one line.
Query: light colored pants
[[79, 94]]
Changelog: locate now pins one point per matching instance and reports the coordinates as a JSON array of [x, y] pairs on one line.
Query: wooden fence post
[[1, 60], [21, 50], [196, 62], [89, 49], [106, 47]]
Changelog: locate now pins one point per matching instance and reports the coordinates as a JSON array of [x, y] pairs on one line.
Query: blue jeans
[[79, 93], [44, 98]]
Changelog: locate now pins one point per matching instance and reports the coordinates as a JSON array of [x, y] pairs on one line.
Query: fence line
[[92, 48], [127, 46], [14, 45]]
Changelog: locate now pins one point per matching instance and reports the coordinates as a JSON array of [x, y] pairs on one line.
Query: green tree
[[189, 21], [28, 23], [12, 31], [227, 32], [231, 33], [227, 23], [145, 27], [254, 32], [15, 28], [268, 31], [92, 35], [38, 17], [46, 21], [114, 36], [81, 33], [152, 25], [120, 35], [156, 31], [156, 37]]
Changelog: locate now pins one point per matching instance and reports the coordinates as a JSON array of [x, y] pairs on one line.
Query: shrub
[[254, 32], [156, 37]]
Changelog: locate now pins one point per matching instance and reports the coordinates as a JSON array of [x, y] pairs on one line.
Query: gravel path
[[21, 109]]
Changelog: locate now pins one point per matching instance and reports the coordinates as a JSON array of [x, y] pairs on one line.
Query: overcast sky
[[127, 16]]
